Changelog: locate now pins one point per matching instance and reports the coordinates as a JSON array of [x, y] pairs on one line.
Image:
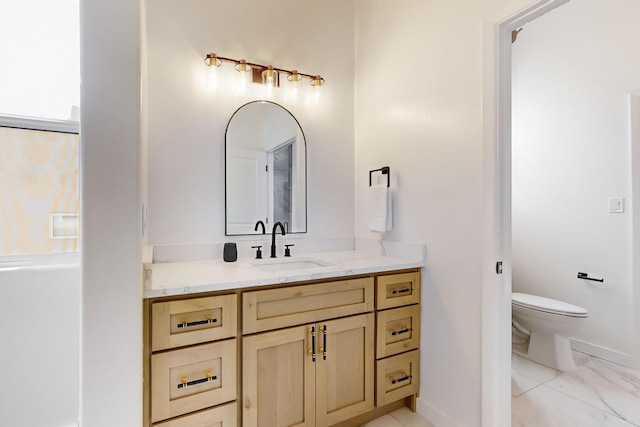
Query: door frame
[[496, 289], [634, 134]]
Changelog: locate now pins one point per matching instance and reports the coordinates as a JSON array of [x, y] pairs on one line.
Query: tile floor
[[402, 417], [597, 394]]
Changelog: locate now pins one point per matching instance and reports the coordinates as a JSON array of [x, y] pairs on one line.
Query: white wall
[[418, 88], [186, 124], [111, 266], [420, 94], [425, 125], [39, 313], [573, 70]]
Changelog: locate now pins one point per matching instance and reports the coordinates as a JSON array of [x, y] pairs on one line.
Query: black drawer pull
[[404, 378], [404, 330], [185, 324], [401, 291], [186, 383]]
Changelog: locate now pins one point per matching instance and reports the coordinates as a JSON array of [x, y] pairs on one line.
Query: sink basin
[[287, 264]]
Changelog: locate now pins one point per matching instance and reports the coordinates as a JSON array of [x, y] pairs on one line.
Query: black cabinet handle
[[404, 330], [404, 378], [185, 324], [312, 352], [186, 383], [324, 342]]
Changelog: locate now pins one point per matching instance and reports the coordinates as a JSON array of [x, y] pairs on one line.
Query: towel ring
[[385, 170]]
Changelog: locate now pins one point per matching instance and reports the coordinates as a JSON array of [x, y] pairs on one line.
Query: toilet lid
[[548, 305]]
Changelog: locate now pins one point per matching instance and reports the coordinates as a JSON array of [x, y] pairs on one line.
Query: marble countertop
[[179, 278]]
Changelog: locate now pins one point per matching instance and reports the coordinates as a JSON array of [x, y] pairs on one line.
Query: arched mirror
[[265, 170]]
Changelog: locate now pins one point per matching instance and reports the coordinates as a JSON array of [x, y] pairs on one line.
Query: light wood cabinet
[[278, 378], [279, 308], [192, 321], [337, 351], [397, 337], [191, 357], [344, 369], [311, 375], [193, 378], [397, 330], [397, 377], [396, 290]]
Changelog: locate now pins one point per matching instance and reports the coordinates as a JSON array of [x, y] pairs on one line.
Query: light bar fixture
[[257, 73]]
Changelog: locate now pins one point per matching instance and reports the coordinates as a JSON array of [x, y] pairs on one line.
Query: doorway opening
[[501, 160]]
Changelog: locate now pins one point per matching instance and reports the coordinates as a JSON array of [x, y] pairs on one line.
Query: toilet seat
[[547, 305]]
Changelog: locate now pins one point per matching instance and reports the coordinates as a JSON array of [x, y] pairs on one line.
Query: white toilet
[[548, 324]]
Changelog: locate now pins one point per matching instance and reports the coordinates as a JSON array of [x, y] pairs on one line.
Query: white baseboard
[[603, 353], [434, 415]]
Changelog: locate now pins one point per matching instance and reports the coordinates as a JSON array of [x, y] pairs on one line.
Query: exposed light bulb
[[316, 95], [317, 83], [244, 77], [294, 86], [212, 78], [269, 78], [211, 72]]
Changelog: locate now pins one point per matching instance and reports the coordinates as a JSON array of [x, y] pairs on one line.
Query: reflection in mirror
[[265, 170]]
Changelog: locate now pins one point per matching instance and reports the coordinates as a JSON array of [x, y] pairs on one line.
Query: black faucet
[[273, 237], [264, 231]]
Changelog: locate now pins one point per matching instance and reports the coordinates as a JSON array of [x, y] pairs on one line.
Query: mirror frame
[[306, 194]]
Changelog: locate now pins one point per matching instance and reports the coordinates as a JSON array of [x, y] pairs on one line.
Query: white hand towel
[[379, 208]]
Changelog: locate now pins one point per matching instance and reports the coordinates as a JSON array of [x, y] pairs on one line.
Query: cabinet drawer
[[279, 308], [397, 377], [193, 321], [220, 416], [193, 378], [397, 330], [396, 290]]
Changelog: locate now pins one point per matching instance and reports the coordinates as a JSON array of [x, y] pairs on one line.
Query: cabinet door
[[279, 378], [345, 378]]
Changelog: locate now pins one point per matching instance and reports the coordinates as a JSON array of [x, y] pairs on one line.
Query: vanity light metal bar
[[268, 73]]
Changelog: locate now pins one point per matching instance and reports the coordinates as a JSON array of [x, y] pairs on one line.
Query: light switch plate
[[616, 205]]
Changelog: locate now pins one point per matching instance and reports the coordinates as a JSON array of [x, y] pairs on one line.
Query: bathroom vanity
[[269, 344]]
